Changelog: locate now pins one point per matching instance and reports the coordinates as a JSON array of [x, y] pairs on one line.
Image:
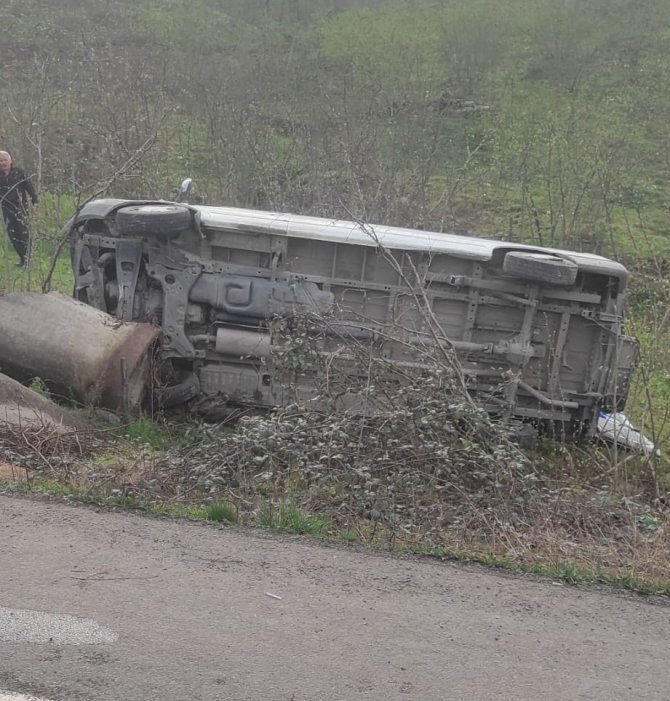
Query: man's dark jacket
[[15, 190]]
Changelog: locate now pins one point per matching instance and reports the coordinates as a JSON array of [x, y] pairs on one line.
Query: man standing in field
[[16, 190]]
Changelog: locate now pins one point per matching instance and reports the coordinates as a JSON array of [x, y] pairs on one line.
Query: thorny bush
[[41, 447], [373, 441]]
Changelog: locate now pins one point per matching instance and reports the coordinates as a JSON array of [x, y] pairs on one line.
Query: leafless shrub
[[41, 446], [393, 445]]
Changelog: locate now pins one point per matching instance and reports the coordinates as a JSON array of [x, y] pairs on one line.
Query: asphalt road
[[116, 606]]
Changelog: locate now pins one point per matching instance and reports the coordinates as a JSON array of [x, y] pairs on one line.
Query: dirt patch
[[12, 473]]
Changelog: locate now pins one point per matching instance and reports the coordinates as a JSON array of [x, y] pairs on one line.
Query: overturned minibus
[[538, 332]]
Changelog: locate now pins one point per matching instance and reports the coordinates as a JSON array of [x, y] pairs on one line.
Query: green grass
[[50, 488], [347, 537], [221, 511], [126, 501], [146, 431], [33, 277], [216, 512], [286, 517], [563, 572], [38, 386], [181, 511]]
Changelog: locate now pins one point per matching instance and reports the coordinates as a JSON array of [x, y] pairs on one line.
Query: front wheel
[[161, 220]]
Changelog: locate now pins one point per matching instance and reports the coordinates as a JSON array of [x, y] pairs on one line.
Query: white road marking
[[8, 696], [23, 626]]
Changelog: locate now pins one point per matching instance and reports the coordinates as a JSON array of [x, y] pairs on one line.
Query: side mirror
[[184, 189]]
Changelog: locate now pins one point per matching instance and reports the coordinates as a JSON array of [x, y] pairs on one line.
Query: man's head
[[5, 162]]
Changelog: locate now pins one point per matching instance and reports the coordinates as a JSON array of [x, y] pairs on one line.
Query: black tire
[[540, 266], [161, 220], [181, 393]]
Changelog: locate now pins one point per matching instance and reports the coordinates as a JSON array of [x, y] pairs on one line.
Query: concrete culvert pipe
[[78, 351]]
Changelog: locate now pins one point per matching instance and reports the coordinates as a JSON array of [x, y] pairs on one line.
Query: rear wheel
[[542, 267]]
